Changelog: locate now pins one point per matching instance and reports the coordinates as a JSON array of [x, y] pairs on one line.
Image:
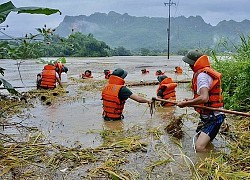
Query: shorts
[[210, 125]]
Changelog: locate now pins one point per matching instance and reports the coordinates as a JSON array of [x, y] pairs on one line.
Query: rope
[[152, 107]]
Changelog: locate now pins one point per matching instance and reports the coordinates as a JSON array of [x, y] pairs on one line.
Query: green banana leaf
[[2, 71], [8, 7], [8, 86]]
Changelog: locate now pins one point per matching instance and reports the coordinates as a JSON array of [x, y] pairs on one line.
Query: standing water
[[75, 119]]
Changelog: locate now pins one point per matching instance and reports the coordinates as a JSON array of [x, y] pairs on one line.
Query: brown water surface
[[79, 122]]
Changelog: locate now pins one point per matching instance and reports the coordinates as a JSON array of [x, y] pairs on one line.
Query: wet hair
[[65, 69], [106, 71], [88, 71]]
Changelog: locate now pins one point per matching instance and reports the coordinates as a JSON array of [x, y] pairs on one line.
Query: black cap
[[120, 73], [161, 78]]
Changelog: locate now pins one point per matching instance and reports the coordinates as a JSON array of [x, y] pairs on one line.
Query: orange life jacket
[[169, 91], [215, 91], [112, 105], [48, 77], [59, 65]]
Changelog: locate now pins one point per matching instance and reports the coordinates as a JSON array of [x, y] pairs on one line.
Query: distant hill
[[151, 32]]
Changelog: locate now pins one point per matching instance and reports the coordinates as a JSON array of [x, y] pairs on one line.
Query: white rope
[[193, 144]]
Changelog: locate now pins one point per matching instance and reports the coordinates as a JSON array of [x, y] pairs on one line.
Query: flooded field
[[74, 119]]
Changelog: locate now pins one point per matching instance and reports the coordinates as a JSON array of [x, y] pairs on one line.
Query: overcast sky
[[212, 11]]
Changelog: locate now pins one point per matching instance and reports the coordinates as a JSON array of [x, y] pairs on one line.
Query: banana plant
[[5, 10], [8, 7], [6, 84]]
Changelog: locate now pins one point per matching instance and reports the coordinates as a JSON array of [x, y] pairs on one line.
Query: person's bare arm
[[203, 98], [59, 81], [139, 99]]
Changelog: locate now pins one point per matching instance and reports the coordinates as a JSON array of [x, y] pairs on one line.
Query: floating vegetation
[[50, 96], [110, 168], [174, 128], [10, 105], [155, 132], [33, 157], [138, 152], [93, 85]]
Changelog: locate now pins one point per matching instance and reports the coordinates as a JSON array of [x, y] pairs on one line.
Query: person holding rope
[[114, 95], [206, 86]]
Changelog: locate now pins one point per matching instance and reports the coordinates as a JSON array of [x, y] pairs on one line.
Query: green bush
[[236, 77]]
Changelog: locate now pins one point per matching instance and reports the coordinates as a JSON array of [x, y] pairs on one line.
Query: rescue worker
[[87, 74], [178, 70], [159, 73], [144, 71], [206, 85], [114, 95], [166, 90], [48, 78], [60, 68], [107, 73]]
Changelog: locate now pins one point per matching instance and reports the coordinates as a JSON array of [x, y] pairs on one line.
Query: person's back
[[115, 94], [166, 90], [112, 104], [48, 80], [49, 77]]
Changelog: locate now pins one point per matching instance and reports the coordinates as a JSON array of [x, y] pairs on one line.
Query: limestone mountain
[[134, 32]]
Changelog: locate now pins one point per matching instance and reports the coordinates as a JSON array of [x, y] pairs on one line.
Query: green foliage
[[62, 60], [76, 45], [236, 72], [121, 51], [8, 7], [46, 43], [2, 71], [8, 86], [4, 49]]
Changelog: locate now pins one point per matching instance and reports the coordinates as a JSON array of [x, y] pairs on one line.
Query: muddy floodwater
[[75, 119]]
